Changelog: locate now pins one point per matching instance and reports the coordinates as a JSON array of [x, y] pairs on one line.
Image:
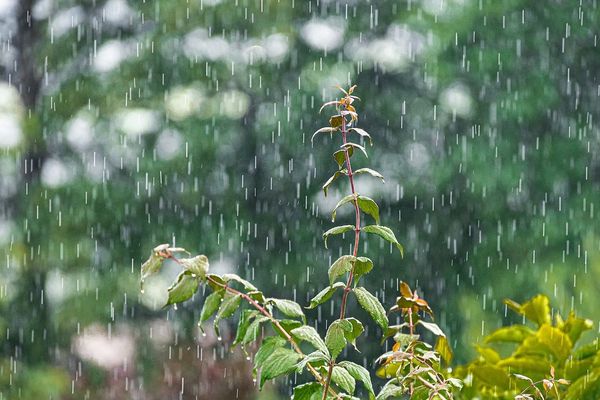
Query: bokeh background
[[126, 124]]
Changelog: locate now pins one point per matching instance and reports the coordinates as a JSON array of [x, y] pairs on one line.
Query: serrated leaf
[[349, 145], [385, 233], [390, 390], [370, 172], [183, 288], [233, 277], [345, 200], [340, 157], [331, 179], [370, 304], [289, 308], [357, 330], [335, 339], [343, 379], [359, 373], [210, 306], [281, 361], [368, 206], [315, 358], [340, 267], [196, 265], [337, 230], [324, 295], [326, 129], [310, 335], [363, 134], [243, 324], [308, 391]]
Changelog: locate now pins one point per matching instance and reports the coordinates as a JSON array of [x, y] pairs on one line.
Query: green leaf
[[363, 134], [308, 391], [267, 348], [370, 303], [183, 288], [368, 206], [442, 346], [537, 309], [359, 373], [243, 325], [233, 277], [326, 129], [340, 267], [362, 266], [432, 327], [325, 295], [288, 325], [281, 361], [153, 263], [332, 178], [356, 146], [337, 230], [196, 265], [253, 329], [370, 172], [315, 358], [513, 333], [289, 308], [210, 306], [310, 335], [574, 326], [257, 295], [335, 339], [340, 156], [357, 330], [343, 379], [345, 200], [386, 233], [228, 306], [390, 390]]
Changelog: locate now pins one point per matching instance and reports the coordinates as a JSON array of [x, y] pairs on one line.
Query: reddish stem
[[347, 288]]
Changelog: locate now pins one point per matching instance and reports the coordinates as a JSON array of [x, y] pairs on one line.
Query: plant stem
[[348, 288], [280, 328], [274, 321]]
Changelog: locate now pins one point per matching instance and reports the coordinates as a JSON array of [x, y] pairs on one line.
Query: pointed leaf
[[243, 325], [281, 361], [210, 306], [331, 179], [340, 267], [335, 339], [370, 303], [362, 266], [196, 265], [316, 358], [370, 172], [340, 156], [442, 346], [537, 309], [432, 327], [253, 329], [386, 233], [343, 379], [368, 206], [289, 308], [345, 200], [337, 230], [310, 335], [233, 277], [349, 145], [324, 295], [267, 348], [183, 288], [363, 134], [308, 391], [329, 103], [326, 129], [359, 373], [357, 330]]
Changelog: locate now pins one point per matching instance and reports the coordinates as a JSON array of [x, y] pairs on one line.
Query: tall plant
[[412, 367]]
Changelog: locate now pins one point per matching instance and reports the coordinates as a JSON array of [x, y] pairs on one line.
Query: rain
[[177, 138]]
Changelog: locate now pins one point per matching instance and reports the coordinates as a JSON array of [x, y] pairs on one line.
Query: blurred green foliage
[[189, 122]]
